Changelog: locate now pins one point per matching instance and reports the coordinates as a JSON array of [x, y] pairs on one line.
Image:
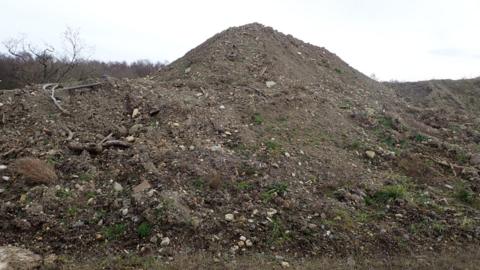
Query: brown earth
[[253, 142]]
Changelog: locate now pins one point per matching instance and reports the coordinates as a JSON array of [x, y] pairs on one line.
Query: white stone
[[248, 243], [271, 212], [135, 113], [165, 241], [6, 178], [229, 217], [285, 264], [3, 167], [117, 187], [370, 154], [222, 107], [243, 238], [270, 83], [130, 139]]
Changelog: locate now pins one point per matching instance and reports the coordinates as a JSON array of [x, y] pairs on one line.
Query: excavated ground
[[253, 142]]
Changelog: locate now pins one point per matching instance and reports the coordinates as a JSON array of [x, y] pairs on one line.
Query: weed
[[273, 146], [420, 138], [72, 211], [278, 235], [90, 194], [257, 119], [461, 157], [273, 191], [387, 194], [387, 122], [339, 71], [114, 231], [84, 177], [144, 229], [198, 183], [465, 194], [244, 185], [63, 193]]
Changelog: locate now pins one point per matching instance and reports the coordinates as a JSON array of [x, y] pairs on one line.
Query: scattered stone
[[285, 264], [135, 113], [165, 242], [117, 187], [2, 190], [248, 243], [135, 129], [243, 238], [3, 167], [6, 178], [222, 107], [271, 212], [124, 211], [187, 70], [229, 217], [18, 258], [370, 154], [270, 84], [154, 239], [287, 154], [130, 139], [475, 159]]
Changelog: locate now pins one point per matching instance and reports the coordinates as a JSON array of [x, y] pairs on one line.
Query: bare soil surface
[[252, 143]]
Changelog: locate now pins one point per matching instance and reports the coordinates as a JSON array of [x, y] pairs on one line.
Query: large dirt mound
[[253, 141]]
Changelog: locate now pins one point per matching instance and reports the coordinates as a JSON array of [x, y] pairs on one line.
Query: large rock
[[475, 159], [13, 258]]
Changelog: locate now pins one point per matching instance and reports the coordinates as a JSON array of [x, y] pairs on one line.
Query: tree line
[[24, 63]]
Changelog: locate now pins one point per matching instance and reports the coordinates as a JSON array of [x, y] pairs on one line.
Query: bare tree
[[45, 64]]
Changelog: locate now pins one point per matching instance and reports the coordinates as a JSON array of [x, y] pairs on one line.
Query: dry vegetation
[[35, 171]]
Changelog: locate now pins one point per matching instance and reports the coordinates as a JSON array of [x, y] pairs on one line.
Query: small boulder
[[18, 258], [370, 154], [475, 159]]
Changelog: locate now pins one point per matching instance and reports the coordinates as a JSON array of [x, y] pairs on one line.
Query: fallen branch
[[55, 101], [117, 143], [96, 148], [90, 85]]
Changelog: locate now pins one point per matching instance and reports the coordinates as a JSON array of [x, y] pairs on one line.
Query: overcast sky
[[403, 40]]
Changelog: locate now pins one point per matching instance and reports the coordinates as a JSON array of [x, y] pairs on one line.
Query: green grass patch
[[464, 194], [144, 230], [273, 191], [114, 231], [257, 119], [387, 194]]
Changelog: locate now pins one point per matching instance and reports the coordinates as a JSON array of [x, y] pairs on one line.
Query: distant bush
[[25, 63]]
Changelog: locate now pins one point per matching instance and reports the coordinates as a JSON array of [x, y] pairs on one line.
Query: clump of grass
[[63, 193], [465, 194], [278, 234], [244, 185], [420, 138], [274, 190], [387, 122], [257, 119], [387, 194], [198, 183], [114, 231], [273, 146], [144, 230], [339, 71], [461, 157]]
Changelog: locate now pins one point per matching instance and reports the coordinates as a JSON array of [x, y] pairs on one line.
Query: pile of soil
[[252, 142]]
